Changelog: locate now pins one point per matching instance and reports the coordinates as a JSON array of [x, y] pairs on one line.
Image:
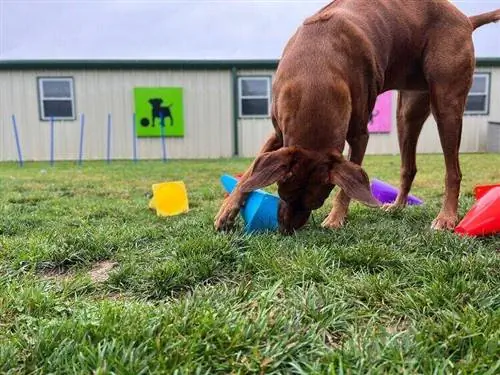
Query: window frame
[[42, 98], [267, 78], [486, 93]]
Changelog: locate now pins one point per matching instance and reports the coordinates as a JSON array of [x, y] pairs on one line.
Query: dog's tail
[[484, 18]]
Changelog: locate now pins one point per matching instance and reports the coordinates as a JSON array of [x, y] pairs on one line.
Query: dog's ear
[[268, 168], [353, 180]]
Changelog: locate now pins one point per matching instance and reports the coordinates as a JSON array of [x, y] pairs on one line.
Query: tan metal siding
[[207, 114]]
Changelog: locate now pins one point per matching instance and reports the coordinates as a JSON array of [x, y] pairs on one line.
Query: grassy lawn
[[92, 281]]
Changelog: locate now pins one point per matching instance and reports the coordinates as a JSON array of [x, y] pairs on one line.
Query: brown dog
[[326, 84]]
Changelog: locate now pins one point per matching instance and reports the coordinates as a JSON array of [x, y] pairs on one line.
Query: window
[[56, 98], [478, 99], [254, 96]]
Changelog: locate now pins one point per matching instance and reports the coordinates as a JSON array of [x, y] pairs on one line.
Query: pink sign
[[381, 117]]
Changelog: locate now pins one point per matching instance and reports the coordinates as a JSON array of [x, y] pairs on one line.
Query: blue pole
[[108, 155], [51, 141], [134, 139], [18, 144], [82, 126], [163, 143]]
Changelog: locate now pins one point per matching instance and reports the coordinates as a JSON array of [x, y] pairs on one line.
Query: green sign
[[157, 110]]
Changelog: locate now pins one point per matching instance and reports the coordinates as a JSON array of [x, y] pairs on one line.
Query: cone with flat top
[[169, 198], [481, 190], [387, 193], [483, 218], [260, 211]]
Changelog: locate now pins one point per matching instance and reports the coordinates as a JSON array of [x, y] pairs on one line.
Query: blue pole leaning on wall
[[134, 139], [163, 142], [52, 141], [82, 126], [18, 144], [108, 153]]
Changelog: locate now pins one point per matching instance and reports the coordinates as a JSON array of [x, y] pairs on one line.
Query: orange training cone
[[484, 216]]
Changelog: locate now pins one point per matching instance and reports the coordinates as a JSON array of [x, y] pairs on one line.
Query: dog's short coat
[[327, 81]]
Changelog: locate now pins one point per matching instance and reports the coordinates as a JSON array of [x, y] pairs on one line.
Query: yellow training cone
[[169, 198]]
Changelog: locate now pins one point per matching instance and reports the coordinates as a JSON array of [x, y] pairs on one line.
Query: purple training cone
[[387, 193]]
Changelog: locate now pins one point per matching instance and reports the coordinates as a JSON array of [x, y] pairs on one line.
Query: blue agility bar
[[82, 126], [18, 144]]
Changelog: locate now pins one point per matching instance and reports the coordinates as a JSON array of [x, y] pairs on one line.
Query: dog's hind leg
[[449, 72], [413, 109]]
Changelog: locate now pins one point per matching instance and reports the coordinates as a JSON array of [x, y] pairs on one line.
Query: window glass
[[254, 96], [256, 107], [479, 84], [56, 98], [478, 98], [254, 87], [476, 103], [56, 89], [57, 108]]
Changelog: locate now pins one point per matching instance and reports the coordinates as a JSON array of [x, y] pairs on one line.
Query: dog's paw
[[393, 207], [224, 221], [444, 222], [334, 221]]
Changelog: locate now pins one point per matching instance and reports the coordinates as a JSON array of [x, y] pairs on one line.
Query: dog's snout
[[291, 218]]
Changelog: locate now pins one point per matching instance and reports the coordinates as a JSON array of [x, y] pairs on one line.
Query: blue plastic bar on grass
[[163, 141], [108, 153], [82, 126], [51, 141], [134, 139], [18, 144]]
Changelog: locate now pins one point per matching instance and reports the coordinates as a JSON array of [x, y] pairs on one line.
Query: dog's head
[[155, 102], [305, 179]]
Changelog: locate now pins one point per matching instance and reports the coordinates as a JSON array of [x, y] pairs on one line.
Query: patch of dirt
[[100, 271], [334, 339], [57, 274], [400, 326], [113, 296]]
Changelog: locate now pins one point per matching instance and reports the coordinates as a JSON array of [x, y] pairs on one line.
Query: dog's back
[[373, 46], [384, 38]]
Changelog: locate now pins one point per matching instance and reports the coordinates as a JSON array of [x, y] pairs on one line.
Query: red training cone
[[480, 190], [484, 216]]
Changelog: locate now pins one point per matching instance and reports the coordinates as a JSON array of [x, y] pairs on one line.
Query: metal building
[[143, 87]]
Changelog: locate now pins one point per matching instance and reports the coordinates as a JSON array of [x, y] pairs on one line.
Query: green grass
[[385, 294]]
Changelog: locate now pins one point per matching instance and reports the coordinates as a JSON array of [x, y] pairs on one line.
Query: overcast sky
[[171, 29]]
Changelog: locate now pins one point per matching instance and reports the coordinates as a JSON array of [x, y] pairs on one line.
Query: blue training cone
[[260, 211]]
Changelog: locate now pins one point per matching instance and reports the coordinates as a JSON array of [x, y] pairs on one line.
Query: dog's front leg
[[337, 215], [231, 206], [336, 218]]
